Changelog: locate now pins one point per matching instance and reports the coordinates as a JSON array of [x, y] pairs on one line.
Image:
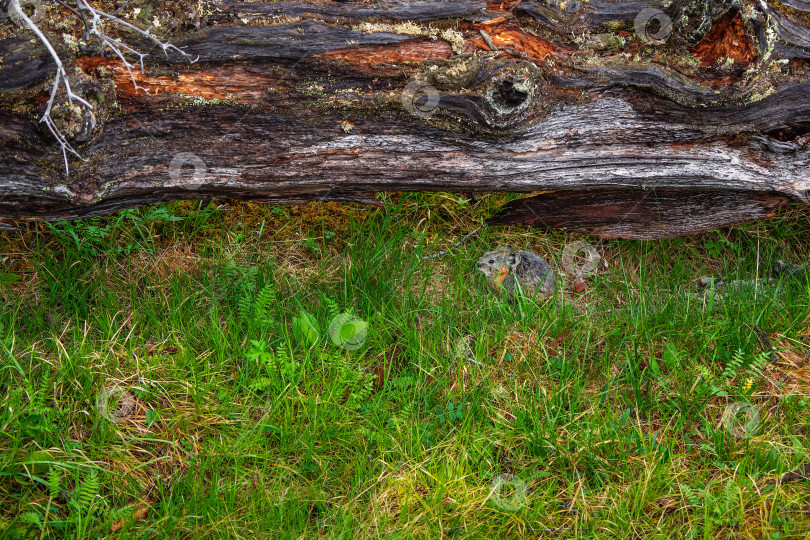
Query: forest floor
[[232, 370]]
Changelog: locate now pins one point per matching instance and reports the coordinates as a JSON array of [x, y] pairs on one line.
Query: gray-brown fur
[[505, 267]]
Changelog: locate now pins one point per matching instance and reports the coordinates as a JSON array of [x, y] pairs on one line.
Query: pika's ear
[[512, 260]]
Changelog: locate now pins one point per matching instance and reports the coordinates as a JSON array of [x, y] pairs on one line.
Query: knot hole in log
[[493, 92], [510, 92], [77, 122], [74, 120]]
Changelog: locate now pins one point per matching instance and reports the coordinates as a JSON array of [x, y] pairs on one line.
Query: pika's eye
[[491, 261]]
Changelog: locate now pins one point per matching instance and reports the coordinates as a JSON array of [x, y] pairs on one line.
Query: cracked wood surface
[[295, 101]]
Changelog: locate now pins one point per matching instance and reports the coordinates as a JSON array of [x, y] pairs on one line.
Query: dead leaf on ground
[[667, 505], [552, 347]]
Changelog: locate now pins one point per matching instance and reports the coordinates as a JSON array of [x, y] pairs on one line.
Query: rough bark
[[294, 101]]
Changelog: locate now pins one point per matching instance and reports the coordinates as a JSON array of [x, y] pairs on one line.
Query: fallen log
[[598, 105]]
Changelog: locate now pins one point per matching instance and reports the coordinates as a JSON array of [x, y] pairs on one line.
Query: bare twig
[[61, 77], [454, 246], [64, 5]]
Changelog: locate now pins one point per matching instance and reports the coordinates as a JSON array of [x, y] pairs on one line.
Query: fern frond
[[691, 497], [32, 518], [733, 367], [264, 303], [249, 281], [707, 375], [758, 364], [243, 307], [729, 493], [282, 355], [270, 364], [54, 482], [407, 410], [87, 491], [261, 383], [363, 391], [332, 308], [38, 399], [125, 513]]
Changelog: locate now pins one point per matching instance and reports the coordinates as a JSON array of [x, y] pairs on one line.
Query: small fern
[[38, 399], [261, 383], [85, 494], [266, 362], [758, 364], [250, 279], [32, 518], [729, 494], [264, 303], [691, 497], [721, 508], [282, 355], [740, 367], [734, 365], [332, 307], [361, 391], [252, 303], [123, 514], [41, 421], [407, 410], [288, 366], [707, 375], [54, 482], [712, 383], [352, 382], [243, 308], [274, 368]]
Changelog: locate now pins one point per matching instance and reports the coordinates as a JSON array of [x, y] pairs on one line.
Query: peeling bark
[[295, 101]]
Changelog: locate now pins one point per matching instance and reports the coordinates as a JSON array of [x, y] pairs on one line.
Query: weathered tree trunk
[[635, 121]]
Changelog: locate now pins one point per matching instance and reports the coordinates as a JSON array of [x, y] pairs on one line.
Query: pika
[[504, 267]]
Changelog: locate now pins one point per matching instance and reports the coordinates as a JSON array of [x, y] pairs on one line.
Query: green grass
[[459, 415]]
